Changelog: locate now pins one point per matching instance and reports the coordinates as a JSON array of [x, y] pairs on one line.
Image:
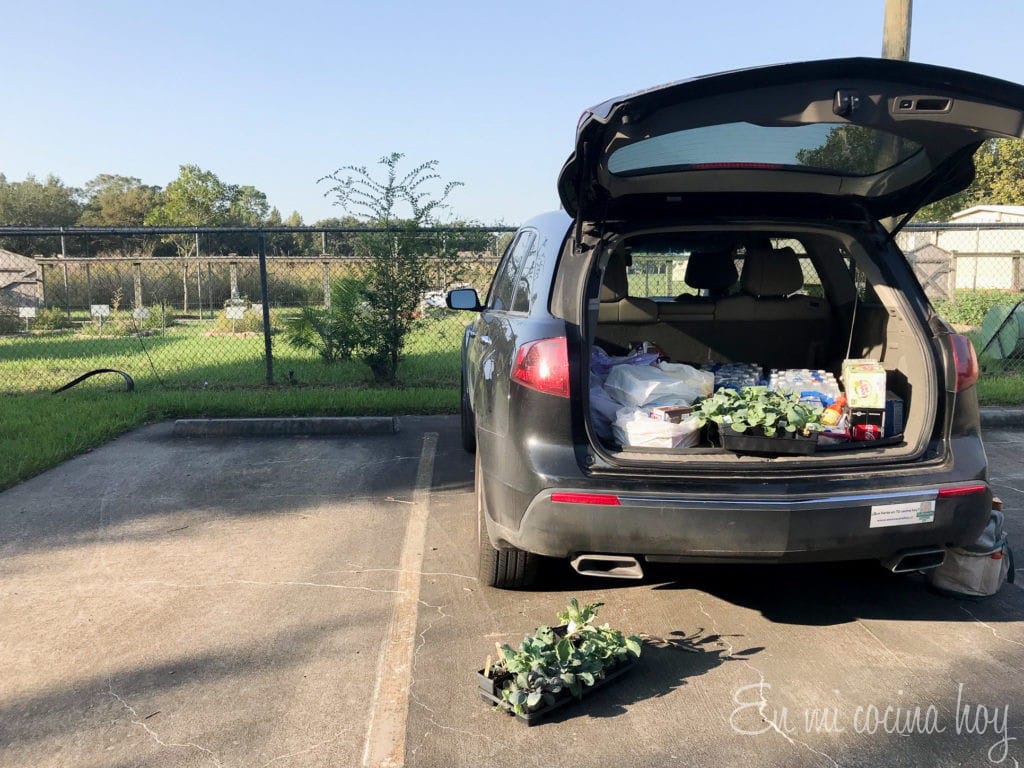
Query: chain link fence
[[242, 307], [973, 273], [190, 308]]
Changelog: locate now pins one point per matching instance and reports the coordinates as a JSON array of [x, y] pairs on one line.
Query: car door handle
[[485, 339]]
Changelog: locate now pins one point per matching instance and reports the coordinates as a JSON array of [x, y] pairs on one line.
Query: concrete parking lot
[[311, 602]]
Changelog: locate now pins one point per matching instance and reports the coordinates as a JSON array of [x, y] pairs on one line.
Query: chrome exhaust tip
[[911, 560], [609, 566]]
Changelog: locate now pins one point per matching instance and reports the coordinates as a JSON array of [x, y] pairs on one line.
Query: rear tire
[[468, 422], [507, 568]]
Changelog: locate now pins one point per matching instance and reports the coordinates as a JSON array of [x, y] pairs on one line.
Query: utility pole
[[896, 35]]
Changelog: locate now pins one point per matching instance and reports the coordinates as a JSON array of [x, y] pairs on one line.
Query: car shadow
[[814, 594]]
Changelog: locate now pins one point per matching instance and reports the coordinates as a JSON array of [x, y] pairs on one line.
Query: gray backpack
[[978, 570]]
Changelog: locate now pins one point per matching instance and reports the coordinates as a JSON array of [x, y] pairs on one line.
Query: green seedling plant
[[546, 664], [760, 408]]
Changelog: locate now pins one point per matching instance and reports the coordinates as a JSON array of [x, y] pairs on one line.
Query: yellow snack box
[[864, 382]]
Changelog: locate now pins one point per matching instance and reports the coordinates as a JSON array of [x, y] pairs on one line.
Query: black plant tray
[[751, 442], [563, 698]]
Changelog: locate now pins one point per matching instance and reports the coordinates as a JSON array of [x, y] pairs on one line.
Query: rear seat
[[768, 322]]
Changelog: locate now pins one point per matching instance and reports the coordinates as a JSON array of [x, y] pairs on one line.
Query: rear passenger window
[[526, 283], [504, 286]]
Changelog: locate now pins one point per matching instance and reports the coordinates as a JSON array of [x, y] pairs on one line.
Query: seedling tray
[[563, 698], [785, 443]]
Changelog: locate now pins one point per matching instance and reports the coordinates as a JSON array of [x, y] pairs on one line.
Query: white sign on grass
[[140, 313], [257, 308], [99, 310], [26, 312], [234, 313]]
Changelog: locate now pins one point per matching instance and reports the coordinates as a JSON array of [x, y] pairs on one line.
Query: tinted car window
[[504, 286], [527, 286]]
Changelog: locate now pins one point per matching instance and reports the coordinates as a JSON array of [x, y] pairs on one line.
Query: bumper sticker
[[910, 513]]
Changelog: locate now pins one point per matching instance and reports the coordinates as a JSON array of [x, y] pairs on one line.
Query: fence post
[[88, 284], [264, 295], [67, 291], [137, 270], [184, 287], [1015, 276], [40, 285], [327, 285]]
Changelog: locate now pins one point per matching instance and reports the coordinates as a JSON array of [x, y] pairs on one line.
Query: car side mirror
[[463, 298]]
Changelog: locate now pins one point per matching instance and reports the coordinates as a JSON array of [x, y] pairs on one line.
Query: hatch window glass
[[846, 150]]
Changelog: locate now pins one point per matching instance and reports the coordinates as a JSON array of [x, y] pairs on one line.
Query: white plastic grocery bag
[[635, 428], [662, 384]]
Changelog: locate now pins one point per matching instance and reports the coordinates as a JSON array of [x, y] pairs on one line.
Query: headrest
[[715, 272], [615, 284], [771, 273]]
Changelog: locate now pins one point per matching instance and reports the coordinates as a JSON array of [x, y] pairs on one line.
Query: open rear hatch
[[840, 137]]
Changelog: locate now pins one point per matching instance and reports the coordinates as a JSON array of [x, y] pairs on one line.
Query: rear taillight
[[965, 361], [600, 499], [543, 365], [962, 490]]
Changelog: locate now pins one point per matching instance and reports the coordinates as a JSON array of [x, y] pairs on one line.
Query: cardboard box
[[672, 413], [864, 382]]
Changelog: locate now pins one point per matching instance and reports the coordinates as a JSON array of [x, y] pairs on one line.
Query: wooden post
[[137, 272], [40, 285], [184, 287], [327, 285], [323, 243], [199, 282], [1015, 277], [88, 283], [233, 266], [67, 291], [896, 33]]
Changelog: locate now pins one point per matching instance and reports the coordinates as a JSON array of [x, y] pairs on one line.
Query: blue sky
[[278, 94]]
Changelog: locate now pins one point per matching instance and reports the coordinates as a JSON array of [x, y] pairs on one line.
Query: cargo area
[[681, 315]]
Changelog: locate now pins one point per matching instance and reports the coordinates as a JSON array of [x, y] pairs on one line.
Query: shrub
[[250, 322], [51, 319], [970, 307], [334, 332], [9, 320]]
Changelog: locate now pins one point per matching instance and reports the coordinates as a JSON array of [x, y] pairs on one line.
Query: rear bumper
[[677, 527]]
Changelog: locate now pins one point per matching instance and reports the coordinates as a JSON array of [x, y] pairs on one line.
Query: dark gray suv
[[745, 217]]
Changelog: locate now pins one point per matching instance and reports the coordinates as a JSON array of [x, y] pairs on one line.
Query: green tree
[[399, 269], [34, 203], [998, 180], [119, 201], [196, 198]]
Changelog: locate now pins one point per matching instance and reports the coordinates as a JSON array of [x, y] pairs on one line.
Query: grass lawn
[[40, 431], [188, 355]]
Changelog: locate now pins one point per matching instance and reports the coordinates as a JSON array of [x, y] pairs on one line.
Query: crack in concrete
[[310, 748], [763, 703], [153, 734], [991, 629], [356, 568], [256, 583], [889, 650]]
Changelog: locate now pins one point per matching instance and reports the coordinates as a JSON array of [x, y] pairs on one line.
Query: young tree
[[399, 270], [197, 198]]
